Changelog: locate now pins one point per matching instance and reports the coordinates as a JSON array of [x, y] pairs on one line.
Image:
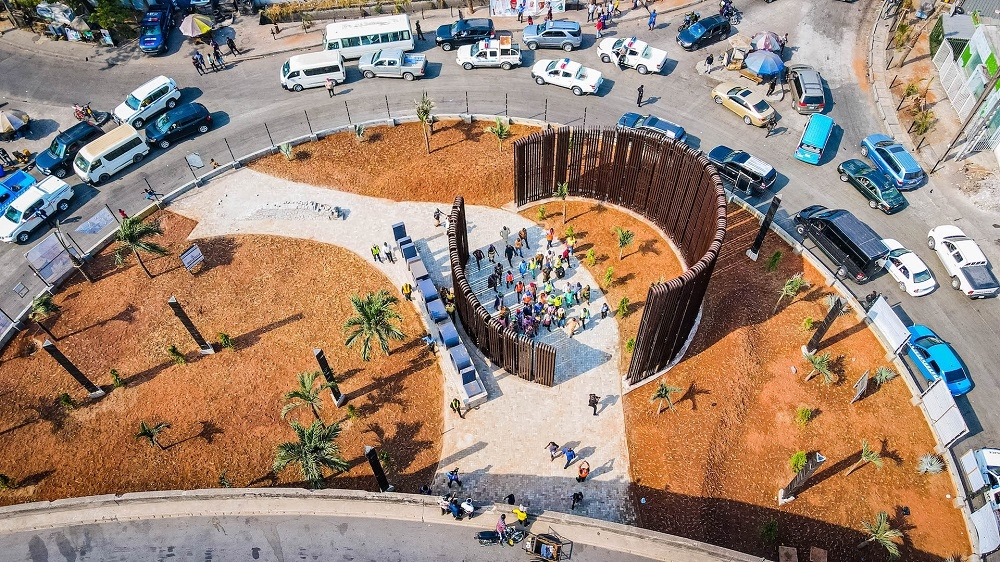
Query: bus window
[[351, 41], [333, 45]]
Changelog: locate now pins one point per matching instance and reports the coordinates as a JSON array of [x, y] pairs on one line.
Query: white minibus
[[102, 158], [312, 70], [354, 38]]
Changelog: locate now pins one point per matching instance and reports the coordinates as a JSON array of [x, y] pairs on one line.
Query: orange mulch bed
[[278, 298], [712, 469], [392, 163], [648, 260]]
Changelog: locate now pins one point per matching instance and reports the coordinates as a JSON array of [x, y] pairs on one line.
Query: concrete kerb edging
[[258, 502]]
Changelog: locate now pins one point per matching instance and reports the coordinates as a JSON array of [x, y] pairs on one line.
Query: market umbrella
[[766, 41], [12, 120], [764, 63], [195, 25]]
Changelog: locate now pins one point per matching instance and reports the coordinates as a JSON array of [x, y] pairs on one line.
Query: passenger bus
[[354, 38]]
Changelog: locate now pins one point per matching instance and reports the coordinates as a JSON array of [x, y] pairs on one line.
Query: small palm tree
[[307, 394], [880, 532], [374, 317], [792, 286], [884, 375], [315, 449], [663, 394], [868, 455], [41, 308], [152, 433], [562, 191], [424, 108], [625, 238], [133, 236], [820, 365], [500, 130]]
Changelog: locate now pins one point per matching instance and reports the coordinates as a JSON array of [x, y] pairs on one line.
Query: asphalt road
[[828, 35]]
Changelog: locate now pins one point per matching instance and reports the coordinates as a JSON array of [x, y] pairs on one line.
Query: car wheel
[[577, 91], [171, 103], [864, 151], [956, 284], [22, 237], [467, 66], [369, 74], [138, 123], [902, 286], [872, 204], [718, 100], [408, 76], [62, 206], [747, 120], [533, 46], [60, 173], [103, 178], [137, 158], [841, 272], [930, 243], [164, 144], [844, 178], [539, 80], [203, 128], [605, 58], [801, 229], [568, 47], [297, 87], [446, 46], [642, 69], [506, 66]]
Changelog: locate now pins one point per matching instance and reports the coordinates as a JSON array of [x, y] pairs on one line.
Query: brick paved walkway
[[500, 446]]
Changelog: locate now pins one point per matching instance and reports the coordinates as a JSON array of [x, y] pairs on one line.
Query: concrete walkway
[[499, 447]]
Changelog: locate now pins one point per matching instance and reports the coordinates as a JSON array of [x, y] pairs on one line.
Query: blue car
[[155, 28], [936, 359], [894, 161]]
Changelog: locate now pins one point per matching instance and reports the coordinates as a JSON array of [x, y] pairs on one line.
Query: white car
[[908, 269], [966, 264], [32, 206], [637, 54], [568, 74]]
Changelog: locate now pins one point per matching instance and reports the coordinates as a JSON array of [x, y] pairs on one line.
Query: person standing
[[505, 234], [197, 65], [593, 401], [548, 15], [329, 86], [509, 278], [520, 12], [652, 20], [478, 254], [553, 450], [584, 316], [782, 43], [407, 290], [492, 254], [231, 43], [420, 32], [456, 406], [376, 253], [497, 302], [708, 63], [770, 127], [508, 253], [604, 310], [773, 83], [517, 247], [577, 498], [437, 217], [599, 26], [583, 472], [387, 250], [590, 10], [570, 455]]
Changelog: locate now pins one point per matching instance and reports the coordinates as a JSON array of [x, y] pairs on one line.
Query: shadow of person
[[607, 402]]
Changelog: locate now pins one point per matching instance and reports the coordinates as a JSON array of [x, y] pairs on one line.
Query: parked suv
[[557, 34], [182, 121], [807, 89], [155, 29], [146, 101], [57, 160], [463, 32], [852, 245]]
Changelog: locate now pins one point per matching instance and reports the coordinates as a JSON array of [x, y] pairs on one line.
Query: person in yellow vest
[[407, 290]]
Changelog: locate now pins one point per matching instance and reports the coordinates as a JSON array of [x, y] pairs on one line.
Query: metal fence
[[667, 182], [516, 353]]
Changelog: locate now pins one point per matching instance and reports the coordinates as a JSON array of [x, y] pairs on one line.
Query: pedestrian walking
[[437, 217], [770, 127], [498, 271], [453, 478], [407, 290], [520, 12], [604, 310], [592, 402], [590, 10], [428, 340], [522, 268], [570, 455], [652, 20], [497, 302], [420, 32], [509, 278], [638, 101], [478, 254], [782, 42], [508, 253], [548, 15], [553, 450], [456, 406], [217, 62], [197, 65], [231, 43], [449, 307], [492, 254], [329, 86], [519, 290], [772, 85], [523, 235], [216, 50], [585, 294], [505, 234], [708, 63], [387, 250], [376, 253], [518, 245], [599, 26], [583, 472], [577, 498], [549, 237]]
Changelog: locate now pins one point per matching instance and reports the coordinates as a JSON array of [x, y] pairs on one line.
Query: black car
[[181, 121], [856, 249], [742, 171], [704, 31], [57, 160], [463, 32]]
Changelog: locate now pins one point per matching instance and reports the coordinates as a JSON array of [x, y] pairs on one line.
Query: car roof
[[566, 64], [148, 87], [186, 109], [912, 262], [561, 24], [76, 132], [477, 22], [904, 158], [860, 233], [752, 163], [714, 19]]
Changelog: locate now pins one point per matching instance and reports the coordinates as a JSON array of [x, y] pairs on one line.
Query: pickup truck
[[500, 52], [982, 474], [22, 216], [965, 262], [393, 63]]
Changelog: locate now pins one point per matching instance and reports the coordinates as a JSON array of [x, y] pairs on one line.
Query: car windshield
[[761, 106], [697, 29], [898, 252], [150, 31], [285, 68], [955, 375], [810, 148], [133, 102], [647, 52], [455, 28], [57, 148], [162, 122], [82, 163], [13, 215], [922, 276], [927, 342]]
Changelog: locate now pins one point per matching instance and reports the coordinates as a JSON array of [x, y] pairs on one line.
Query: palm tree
[[625, 238], [820, 365], [41, 308], [880, 532], [133, 235], [307, 394], [315, 449], [151, 433], [375, 318], [868, 455], [562, 190], [424, 108], [500, 130], [792, 286], [663, 393]]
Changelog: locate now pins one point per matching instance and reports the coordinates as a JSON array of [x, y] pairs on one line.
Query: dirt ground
[[711, 470], [223, 409], [464, 159]]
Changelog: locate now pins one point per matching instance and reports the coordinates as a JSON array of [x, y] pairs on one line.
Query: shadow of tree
[[51, 411], [218, 251], [127, 315], [147, 375], [34, 479], [886, 453], [692, 394], [250, 338]]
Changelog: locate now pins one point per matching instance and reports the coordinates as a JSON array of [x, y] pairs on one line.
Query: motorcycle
[[84, 113], [728, 11], [690, 19], [511, 537]]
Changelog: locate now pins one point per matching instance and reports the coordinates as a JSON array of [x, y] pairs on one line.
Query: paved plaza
[[500, 446]]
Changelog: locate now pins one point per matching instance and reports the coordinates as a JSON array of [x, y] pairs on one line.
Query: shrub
[[541, 213], [286, 149], [378, 7], [807, 323], [923, 120], [803, 416], [224, 481], [798, 461], [623, 307], [930, 464], [591, 257], [630, 345], [911, 90], [116, 379], [176, 355], [307, 21], [352, 412], [570, 231], [7, 483], [226, 341], [386, 459], [901, 35], [359, 133], [66, 402], [884, 375], [773, 261], [769, 532], [609, 276]]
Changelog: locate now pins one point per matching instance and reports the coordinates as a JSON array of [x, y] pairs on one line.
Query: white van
[[312, 70], [146, 101], [99, 160]]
